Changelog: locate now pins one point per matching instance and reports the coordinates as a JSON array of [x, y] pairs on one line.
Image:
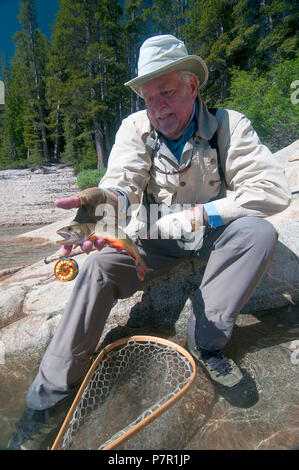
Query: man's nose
[[158, 103]]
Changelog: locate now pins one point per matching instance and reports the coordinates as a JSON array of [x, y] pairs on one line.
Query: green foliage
[[88, 160], [69, 155], [246, 34], [86, 73], [89, 178], [65, 97], [266, 100]]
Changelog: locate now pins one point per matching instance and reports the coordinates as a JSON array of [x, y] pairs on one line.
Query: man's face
[[169, 101]]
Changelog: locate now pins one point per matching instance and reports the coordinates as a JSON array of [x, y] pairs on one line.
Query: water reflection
[[13, 254]]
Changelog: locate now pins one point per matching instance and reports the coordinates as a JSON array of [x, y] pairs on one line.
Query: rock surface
[[261, 414]]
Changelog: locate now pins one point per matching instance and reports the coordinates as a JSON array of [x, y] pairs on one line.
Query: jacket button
[[182, 183]]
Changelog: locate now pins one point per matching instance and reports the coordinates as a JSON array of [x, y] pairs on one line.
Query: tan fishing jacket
[[255, 184]]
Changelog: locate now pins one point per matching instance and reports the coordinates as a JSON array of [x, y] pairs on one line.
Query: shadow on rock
[[242, 395], [263, 331]]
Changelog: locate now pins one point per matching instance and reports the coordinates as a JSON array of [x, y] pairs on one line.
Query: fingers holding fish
[[96, 242], [99, 243], [87, 246], [66, 250]]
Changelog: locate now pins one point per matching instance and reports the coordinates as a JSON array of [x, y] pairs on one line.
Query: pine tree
[[278, 31], [265, 98], [30, 57], [208, 34], [135, 32], [12, 147], [65, 99], [84, 72]]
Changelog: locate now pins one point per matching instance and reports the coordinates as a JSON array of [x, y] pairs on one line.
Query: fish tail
[[141, 268]]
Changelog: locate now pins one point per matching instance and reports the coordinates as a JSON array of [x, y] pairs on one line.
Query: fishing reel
[[66, 269]]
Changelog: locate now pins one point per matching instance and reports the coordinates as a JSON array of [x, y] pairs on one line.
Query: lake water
[[14, 254], [15, 374]]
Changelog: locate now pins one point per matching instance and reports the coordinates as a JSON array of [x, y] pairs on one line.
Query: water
[[16, 374], [13, 254]]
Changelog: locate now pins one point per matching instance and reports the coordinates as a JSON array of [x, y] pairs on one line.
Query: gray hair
[[185, 76]]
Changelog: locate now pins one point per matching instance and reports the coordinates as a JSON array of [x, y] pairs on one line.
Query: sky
[[9, 24]]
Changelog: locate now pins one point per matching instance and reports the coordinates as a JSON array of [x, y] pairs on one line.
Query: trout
[[76, 234]]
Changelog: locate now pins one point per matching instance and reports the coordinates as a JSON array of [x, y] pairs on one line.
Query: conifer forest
[[65, 96]]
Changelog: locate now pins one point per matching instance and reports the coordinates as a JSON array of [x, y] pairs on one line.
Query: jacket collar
[[207, 122]]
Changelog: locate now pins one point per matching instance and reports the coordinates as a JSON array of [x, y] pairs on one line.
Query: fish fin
[[91, 237], [142, 269]]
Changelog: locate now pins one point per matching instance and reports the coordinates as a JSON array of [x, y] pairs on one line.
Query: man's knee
[[113, 268], [255, 231], [91, 266]]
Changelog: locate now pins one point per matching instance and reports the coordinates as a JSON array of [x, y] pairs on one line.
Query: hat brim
[[190, 63]]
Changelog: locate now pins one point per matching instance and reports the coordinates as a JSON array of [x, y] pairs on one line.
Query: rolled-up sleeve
[[257, 183]]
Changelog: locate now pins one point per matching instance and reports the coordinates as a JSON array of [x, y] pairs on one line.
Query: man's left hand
[[177, 224]]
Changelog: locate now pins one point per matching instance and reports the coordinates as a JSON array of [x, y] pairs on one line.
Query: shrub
[[88, 160], [89, 178], [266, 100]]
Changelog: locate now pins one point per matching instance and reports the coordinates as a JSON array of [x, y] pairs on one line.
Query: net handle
[[147, 420]]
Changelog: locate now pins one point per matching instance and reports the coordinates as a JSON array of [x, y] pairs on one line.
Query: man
[[213, 182]]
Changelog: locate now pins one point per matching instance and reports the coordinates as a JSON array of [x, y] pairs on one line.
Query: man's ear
[[194, 83]]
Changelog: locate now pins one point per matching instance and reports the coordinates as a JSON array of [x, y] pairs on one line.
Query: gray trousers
[[237, 256]]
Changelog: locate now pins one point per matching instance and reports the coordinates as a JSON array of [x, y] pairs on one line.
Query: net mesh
[[129, 384], [165, 432]]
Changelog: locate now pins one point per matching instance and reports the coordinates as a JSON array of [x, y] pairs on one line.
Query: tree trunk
[[38, 96], [57, 137], [99, 144]]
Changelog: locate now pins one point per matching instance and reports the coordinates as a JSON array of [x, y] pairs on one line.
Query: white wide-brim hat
[[163, 54]]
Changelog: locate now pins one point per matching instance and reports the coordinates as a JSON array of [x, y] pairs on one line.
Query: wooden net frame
[[109, 370]]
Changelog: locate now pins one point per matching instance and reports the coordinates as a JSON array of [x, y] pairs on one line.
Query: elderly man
[[213, 182]]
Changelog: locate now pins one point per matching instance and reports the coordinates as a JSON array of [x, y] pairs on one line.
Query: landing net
[[132, 382]]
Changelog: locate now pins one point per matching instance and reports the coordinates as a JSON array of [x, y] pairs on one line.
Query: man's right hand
[[90, 197], [86, 202]]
